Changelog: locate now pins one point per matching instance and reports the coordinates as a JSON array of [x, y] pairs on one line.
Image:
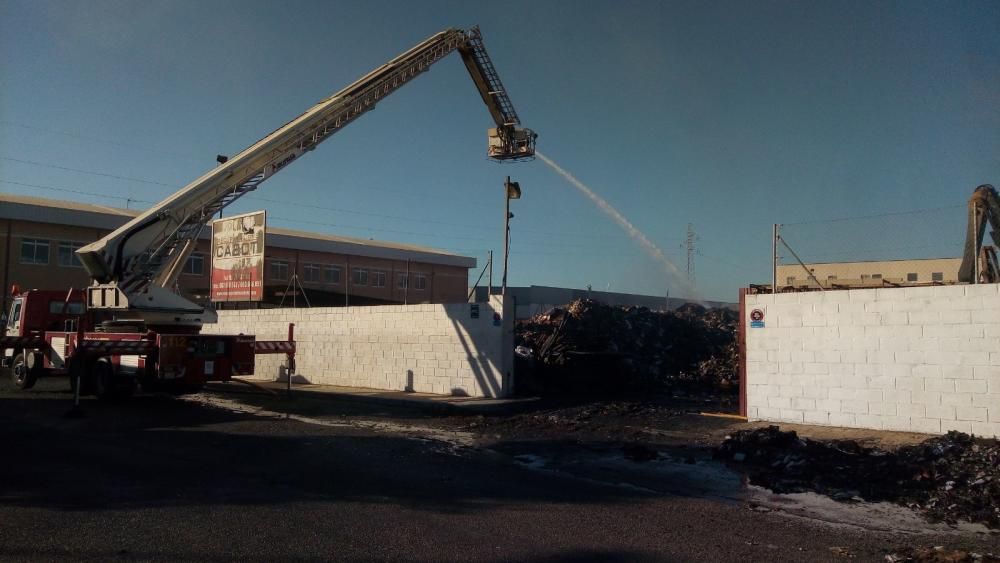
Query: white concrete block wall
[[436, 348], [920, 359]]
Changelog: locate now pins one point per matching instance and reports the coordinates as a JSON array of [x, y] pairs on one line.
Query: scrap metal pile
[[590, 346], [949, 478]]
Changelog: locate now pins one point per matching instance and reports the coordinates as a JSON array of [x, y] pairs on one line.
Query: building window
[[331, 274], [311, 272], [911, 277], [359, 276], [378, 278], [789, 280], [67, 254], [937, 276], [279, 270], [34, 251], [195, 265], [831, 278], [420, 282], [401, 280], [876, 276]]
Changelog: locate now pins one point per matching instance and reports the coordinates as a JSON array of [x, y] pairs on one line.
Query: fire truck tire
[[183, 389], [78, 368], [103, 373], [125, 387], [20, 374], [108, 385]]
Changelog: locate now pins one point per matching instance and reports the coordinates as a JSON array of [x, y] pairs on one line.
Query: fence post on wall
[[774, 258], [742, 345]]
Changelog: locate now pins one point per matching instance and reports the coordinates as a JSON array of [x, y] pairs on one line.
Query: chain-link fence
[[894, 249]]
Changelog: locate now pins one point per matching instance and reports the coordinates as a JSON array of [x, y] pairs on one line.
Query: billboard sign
[[238, 257]]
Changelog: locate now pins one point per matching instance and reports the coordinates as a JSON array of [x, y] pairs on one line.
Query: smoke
[[626, 225]]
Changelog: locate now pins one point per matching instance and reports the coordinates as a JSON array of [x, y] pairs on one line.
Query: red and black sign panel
[[238, 257]]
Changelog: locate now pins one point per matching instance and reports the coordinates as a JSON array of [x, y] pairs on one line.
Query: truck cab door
[[14, 318]]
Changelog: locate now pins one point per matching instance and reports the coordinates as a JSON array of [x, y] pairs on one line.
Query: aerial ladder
[[979, 262], [134, 268]]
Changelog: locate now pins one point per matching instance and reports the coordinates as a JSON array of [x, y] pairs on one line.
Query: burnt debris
[[949, 478], [592, 347]]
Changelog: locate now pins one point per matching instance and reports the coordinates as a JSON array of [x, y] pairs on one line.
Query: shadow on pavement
[[155, 452]]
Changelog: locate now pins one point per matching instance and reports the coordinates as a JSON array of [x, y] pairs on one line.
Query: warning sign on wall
[[238, 257], [757, 318]]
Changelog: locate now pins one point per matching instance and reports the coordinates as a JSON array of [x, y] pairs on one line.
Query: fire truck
[[131, 326], [53, 333]]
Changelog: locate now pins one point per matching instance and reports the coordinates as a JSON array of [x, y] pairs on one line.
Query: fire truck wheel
[[78, 367], [108, 385], [124, 387], [104, 379], [178, 389], [23, 377]]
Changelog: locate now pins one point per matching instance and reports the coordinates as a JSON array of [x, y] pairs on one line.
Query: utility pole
[[489, 288], [689, 242], [512, 190], [221, 159], [976, 244], [774, 258]]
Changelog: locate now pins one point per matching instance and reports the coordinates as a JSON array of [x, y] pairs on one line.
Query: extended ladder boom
[[134, 266]]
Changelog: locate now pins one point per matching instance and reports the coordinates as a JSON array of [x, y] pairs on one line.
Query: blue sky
[[727, 115]]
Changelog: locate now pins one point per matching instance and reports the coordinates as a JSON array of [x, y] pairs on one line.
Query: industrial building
[[40, 237], [928, 271]]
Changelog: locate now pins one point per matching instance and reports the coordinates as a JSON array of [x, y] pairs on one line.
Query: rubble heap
[[939, 554], [633, 347], [950, 478]]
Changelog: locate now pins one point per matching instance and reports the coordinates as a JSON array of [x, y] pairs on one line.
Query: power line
[[876, 216], [115, 176], [293, 221], [67, 190], [250, 197], [733, 265], [96, 139], [282, 202]]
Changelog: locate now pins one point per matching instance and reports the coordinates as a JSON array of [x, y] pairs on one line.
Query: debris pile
[[597, 347], [611, 421], [938, 554], [949, 478]]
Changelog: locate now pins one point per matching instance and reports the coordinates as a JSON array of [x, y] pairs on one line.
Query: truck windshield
[[71, 308]]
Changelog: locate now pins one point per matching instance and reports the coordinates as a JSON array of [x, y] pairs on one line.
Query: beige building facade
[[38, 239], [933, 271]]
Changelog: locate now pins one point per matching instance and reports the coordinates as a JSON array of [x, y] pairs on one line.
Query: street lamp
[[512, 190], [221, 159]]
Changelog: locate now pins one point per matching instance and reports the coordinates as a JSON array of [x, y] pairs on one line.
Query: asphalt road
[[159, 478]]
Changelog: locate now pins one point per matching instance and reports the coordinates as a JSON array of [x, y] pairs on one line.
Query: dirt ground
[[669, 421], [652, 455]]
